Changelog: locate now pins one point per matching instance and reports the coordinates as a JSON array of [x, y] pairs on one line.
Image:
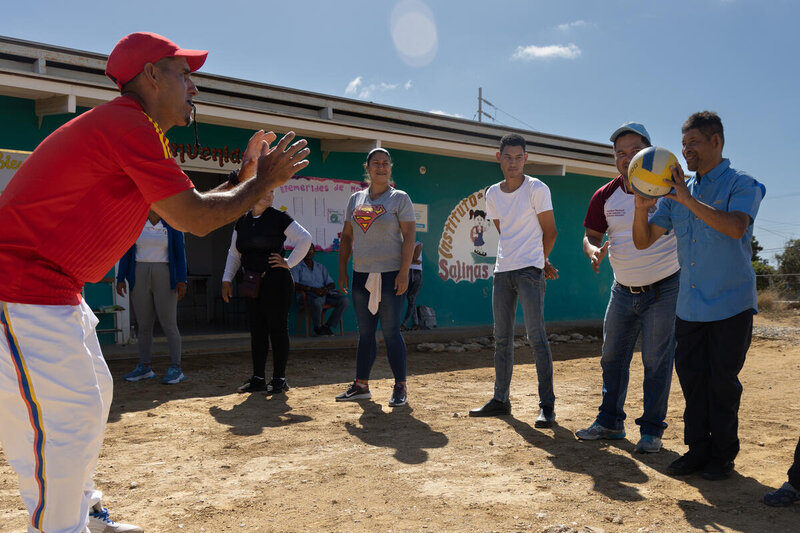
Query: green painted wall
[[578, 294]]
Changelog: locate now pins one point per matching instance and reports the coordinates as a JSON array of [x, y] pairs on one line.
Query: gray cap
[[630, 127]]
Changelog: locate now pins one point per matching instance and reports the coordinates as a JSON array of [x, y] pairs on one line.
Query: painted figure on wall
[[477, 231]]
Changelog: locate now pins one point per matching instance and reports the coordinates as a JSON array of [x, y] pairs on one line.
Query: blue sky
[[574, 68]]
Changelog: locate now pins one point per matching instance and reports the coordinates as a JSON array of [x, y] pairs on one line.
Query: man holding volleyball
[[712, 216], [69, 213], [643, 299]]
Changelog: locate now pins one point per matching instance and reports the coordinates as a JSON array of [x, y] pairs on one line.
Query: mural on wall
[[317, 204], [10, 161], [468, 247]]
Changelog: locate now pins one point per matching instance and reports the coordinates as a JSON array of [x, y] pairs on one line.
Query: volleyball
[[649, 168]]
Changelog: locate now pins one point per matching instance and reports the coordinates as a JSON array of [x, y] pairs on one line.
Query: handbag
[[251, 283]]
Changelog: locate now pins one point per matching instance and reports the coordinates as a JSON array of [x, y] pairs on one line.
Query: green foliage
[[789, 263], [754, 244], [761, 269]]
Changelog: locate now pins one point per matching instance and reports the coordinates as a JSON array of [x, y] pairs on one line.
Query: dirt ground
[[199, 457]]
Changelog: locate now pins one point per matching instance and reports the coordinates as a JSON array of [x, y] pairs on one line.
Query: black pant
[[268, 317], [794, 470], [708, 358]]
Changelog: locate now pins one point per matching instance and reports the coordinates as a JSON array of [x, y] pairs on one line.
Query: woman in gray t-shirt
[[379, 231]]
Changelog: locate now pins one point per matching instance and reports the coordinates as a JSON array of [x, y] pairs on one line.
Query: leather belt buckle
[[637, 290]]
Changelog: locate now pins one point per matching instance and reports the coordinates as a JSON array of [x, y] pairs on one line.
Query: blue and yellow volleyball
[[649, 168]]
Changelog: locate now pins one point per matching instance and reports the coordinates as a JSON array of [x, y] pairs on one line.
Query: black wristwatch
[[233, 177]]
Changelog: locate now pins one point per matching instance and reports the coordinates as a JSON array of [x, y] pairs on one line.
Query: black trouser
[[794, 470], [708, 358], [268, 317]]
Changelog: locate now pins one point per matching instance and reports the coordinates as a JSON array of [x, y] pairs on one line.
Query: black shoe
[[546, 418], [717, 470], [399, 396], [254, 384], [355, 391], [686, 464], [277, 385], [325, 331], [492, 408]]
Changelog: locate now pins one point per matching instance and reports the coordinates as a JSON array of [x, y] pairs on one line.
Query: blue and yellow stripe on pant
[[34, 412]]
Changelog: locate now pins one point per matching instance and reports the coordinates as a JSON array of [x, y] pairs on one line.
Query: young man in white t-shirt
[[643, 299], [522, 211]]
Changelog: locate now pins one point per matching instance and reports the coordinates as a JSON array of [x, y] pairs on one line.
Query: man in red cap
[[70, 212]]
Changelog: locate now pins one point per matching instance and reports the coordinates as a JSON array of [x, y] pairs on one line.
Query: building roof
[[61, 79]]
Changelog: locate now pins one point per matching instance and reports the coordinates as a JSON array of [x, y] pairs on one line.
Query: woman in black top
[[257, 247]]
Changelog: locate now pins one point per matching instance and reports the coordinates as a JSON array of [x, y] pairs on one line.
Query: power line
[[481, 113]]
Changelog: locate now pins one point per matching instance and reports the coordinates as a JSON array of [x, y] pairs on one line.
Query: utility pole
[[481, 101]]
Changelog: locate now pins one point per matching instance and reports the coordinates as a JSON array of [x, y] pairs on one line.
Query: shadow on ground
[[397, 429]]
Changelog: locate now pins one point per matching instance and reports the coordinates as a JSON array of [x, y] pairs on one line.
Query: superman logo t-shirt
[[377, 238], [365, 215]]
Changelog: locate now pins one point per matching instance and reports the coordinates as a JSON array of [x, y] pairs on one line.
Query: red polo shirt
[[80, 200]]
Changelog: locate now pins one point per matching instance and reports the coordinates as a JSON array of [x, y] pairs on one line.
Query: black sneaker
[[686, 464], [355, 392], [546, 418], [254, 384], [492, 408], [399, 396], [325, 331], [717, 470], [277, 385]]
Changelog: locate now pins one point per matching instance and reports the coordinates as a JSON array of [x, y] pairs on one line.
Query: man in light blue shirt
[[313, 279], [712, 216]]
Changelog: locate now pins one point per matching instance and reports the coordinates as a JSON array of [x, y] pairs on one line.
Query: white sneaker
[[99, 522]]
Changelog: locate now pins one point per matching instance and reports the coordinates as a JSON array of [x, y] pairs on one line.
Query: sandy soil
[[199, 457]]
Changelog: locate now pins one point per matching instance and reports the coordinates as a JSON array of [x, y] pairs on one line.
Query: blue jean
[[527, 285], [389, 314], [651, 313], [316, 302]]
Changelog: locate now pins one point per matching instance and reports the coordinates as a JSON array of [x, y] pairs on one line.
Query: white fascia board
[[88, 95]]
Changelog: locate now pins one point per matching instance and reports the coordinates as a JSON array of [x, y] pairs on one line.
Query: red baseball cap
[[134, 51]]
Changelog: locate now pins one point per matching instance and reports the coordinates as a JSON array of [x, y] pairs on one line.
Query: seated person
[[314, 279]]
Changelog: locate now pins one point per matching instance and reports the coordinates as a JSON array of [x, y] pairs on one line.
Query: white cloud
[[352, 87], [358, 89], [445, 113], [572, 25], [532, 52]]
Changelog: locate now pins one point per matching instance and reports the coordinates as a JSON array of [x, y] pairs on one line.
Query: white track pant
[[55, 394]]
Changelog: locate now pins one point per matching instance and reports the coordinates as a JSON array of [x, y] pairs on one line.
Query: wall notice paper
[[317, 204]]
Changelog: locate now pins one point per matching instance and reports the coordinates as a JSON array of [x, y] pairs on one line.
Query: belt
[[638, 290], [645, 288]]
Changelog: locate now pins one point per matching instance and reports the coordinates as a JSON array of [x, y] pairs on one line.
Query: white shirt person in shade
[[155, 271]]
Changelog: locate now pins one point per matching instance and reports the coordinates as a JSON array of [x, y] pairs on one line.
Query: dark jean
[[389, 314], [414, 284], [316, 302], [268, 317], [527, 285], [651, 313], [708, 359]]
